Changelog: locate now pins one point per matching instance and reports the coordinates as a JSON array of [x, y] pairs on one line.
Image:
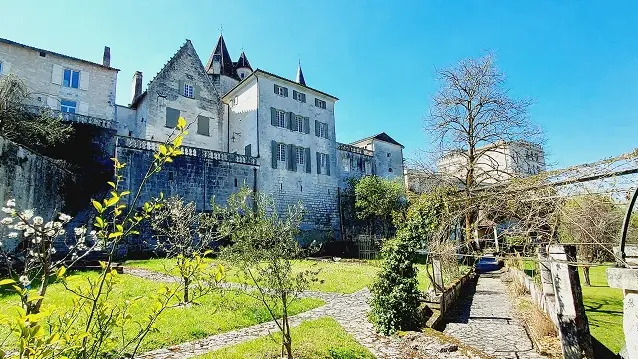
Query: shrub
[[395, 296]]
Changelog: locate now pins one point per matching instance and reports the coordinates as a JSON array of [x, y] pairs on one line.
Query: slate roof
[[9, 42], [381, 137], [260, 71], [300, 79], [227, 64], [243, 62]]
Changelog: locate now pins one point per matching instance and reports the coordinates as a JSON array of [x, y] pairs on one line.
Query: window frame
[[280, 91], [300, 153], [320, 103], [281, 118], [299, 126], [1, 66], [281, 152], [66, 104], [188, 91], [323, 130], [70, 83]]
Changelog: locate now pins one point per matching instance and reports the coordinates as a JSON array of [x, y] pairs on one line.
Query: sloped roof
[[381, 137], [243, 62], [260, 71], [227, 64], [9, 42]]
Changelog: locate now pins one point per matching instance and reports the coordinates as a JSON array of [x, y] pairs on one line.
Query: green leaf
[[115, 234], [163, 149], [97, 206], [61, 272], [112, 184], [181, 122], [7, 281]]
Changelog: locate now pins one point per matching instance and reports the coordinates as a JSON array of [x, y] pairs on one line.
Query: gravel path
[[483, 318]]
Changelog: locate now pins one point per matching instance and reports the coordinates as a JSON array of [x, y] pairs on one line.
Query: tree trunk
[[586, 276], [186, 284], [285, 333]]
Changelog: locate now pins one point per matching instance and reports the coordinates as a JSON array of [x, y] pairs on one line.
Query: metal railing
[[142, 144], [354, 149]]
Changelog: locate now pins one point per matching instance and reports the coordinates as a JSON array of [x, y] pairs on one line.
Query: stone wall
[[35, 182], [199, 176], [546, 303], [451, 294], [353, 162]]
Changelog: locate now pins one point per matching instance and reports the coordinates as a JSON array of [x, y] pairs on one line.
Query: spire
[[243, 62], [299, 79], [221, 54]]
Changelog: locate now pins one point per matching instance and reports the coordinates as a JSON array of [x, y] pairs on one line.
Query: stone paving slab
[[483, 318]]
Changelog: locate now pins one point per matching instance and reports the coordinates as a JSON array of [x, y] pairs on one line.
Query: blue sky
[[577, 60]]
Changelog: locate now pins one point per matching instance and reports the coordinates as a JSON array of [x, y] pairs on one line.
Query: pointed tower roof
[[243, 62], [227, 65], [300, 79]]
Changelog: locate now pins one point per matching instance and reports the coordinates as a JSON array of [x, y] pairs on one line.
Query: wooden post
[[438, 276], [573, 325]]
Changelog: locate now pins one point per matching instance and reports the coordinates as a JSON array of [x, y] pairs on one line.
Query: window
[[203, 124], [281, 91], [71, 78], [301, 97], [171, 117], [301, 155], [68, 106], [389, 154], [281, 152], [188, 91], [321, 129], [281, 118], [0, 67], [390, 170], [320, 103], [299, 123], [242, 75], [43, 54]]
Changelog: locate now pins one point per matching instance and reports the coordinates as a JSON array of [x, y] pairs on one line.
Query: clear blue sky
[[578, 60]]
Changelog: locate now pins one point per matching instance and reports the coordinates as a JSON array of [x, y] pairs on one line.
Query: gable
[[184, 67]]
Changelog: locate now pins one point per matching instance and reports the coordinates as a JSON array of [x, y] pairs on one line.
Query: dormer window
[[242, 75], [188, 91]]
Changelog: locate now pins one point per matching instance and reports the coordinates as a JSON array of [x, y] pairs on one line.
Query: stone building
[[80, 90], [247, 127]]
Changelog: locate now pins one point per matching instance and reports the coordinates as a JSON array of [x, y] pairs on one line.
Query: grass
[[336, 277], [604, 308], [217, 312], [322, 338]]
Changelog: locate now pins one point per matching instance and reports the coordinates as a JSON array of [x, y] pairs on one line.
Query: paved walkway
[[483, 318], [349, 310]]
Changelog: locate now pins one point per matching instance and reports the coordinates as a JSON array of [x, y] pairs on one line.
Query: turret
[[243, 67], [299, 78]]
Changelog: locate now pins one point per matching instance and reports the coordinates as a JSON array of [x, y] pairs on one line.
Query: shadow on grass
[[601, 351]]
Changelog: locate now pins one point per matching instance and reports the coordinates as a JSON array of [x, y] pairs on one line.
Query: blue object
[[487, 264]]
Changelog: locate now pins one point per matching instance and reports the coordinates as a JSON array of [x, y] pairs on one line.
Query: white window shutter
[[52, 103], [6, 67], [84, 80], [56, 75], [83, 108]]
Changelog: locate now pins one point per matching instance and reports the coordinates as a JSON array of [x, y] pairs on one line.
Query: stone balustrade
[[142, 144], [74, 117], [354, 149]]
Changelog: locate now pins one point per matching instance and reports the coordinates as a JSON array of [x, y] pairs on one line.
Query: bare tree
[[591, 222], [473, 119], [23, 124]]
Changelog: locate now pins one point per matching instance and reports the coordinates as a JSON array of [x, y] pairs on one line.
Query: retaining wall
[[546, 303], [451, 294]]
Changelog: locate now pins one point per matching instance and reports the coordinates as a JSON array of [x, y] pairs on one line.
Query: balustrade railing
[[141, 144], [73, 117], [354, 149]]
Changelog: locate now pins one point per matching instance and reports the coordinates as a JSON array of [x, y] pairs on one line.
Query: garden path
[[483, 319], [349, 310]]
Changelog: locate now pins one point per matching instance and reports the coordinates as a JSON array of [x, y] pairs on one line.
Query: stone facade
[[43, 72]]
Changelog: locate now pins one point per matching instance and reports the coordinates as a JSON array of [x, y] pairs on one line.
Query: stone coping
[[624, 278]]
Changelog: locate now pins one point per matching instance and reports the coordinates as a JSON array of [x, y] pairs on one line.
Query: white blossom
[[24, 280], [52, 250], [50, 232], [80, 231], [57, 225], [11, 203], [20, 226], [6, 221], [8, 210], [61, 232], [38, 221], [28, 231], [12, 235], [27, 214], [64, 217]]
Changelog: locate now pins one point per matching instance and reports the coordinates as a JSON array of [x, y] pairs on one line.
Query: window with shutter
[[281, 91], [171, 117], [301, 155], [281, 118], [281, 152], [67, 106], [299, 123], [71, 78], [203, 125]]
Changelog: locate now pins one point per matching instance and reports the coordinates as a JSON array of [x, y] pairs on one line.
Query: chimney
[[136, 89], [106, 59]]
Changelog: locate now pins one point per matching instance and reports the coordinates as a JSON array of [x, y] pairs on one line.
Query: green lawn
[[217, 312], [604, 308], [322, 338], [337, 277]]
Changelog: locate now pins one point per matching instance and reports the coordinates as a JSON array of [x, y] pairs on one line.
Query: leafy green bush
[[395, 293]]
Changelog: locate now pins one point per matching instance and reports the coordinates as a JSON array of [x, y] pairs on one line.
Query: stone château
[[247, 127]]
